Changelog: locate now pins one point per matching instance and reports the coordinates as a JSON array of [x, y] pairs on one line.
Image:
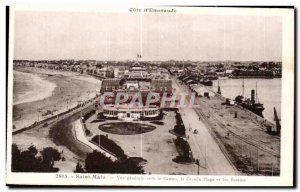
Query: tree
[[127, 166], [32, 149], [15, 153], [79, 168], [179, 129], [50, 155], [28, 161], [97, 162]]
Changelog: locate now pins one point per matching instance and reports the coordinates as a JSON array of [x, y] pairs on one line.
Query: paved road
[[203, 145], [57, 117]]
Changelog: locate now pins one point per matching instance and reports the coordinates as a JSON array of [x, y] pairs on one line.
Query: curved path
[[80, 136]]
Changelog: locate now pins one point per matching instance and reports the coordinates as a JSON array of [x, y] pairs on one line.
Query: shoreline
[[40, 89], [71, 89]]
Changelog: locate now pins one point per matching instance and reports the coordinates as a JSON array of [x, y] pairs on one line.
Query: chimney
[[253, 95]]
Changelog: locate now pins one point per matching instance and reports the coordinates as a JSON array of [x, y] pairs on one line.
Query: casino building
[[137, 80], [126, 112]]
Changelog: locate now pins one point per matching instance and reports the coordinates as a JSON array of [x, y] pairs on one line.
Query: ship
[[251, 104], [206, 82]]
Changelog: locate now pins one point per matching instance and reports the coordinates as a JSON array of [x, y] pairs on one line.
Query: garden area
[[108, 145], [126, 128]]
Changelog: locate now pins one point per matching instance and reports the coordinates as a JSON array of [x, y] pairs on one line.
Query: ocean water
[[22, 86], [268, 92], [29, 87]]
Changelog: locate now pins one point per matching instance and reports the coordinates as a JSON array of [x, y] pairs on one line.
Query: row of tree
[[97, 162], [179, 128], [32, 160]]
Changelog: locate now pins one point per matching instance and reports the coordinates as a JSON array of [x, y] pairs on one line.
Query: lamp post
[[198, 164], [38, 114], [205, 157]]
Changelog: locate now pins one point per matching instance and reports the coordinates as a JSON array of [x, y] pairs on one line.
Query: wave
[[29, 87]]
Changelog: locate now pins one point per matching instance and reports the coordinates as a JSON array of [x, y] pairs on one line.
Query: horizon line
[[150, 60]]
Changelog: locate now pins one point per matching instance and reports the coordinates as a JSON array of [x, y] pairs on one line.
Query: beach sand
[[55, 92], [70, 89], [31, 88]]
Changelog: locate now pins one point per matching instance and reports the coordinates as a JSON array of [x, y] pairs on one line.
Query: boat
[[250, 104], [223, 78], [206, 82], [277, 120]]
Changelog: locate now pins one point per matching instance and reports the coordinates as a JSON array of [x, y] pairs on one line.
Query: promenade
[[81, 136]]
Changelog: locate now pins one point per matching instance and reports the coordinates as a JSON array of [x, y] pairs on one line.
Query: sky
[[156, 36]]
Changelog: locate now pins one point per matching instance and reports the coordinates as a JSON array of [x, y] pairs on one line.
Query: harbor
[[230, 88], [241, 134]]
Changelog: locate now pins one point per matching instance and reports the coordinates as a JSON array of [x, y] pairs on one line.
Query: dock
[[240, 135]]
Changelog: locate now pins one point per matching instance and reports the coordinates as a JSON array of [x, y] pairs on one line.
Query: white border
[[287, 113]]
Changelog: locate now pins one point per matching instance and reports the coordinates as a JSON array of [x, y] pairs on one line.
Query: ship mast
[[243, 87]]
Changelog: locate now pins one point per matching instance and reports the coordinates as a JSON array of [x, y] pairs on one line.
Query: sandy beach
[[30, 87], [49, 93]]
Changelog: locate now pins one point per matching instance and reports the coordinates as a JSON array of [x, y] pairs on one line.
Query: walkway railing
[[54, 118]]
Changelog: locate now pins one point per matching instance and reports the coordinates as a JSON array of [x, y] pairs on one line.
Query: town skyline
[[132, 60]]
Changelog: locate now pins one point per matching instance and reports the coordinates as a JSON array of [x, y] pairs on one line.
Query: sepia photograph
[[179, 96]]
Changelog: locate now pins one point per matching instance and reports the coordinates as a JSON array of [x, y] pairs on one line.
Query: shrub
[[179, 129], [87, 132], [96, 162], [183, 147], [88, 115], [109, 145], [79, 168]]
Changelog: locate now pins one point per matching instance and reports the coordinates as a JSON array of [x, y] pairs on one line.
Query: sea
[[21, 86], [268, 92], [29, 87]]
